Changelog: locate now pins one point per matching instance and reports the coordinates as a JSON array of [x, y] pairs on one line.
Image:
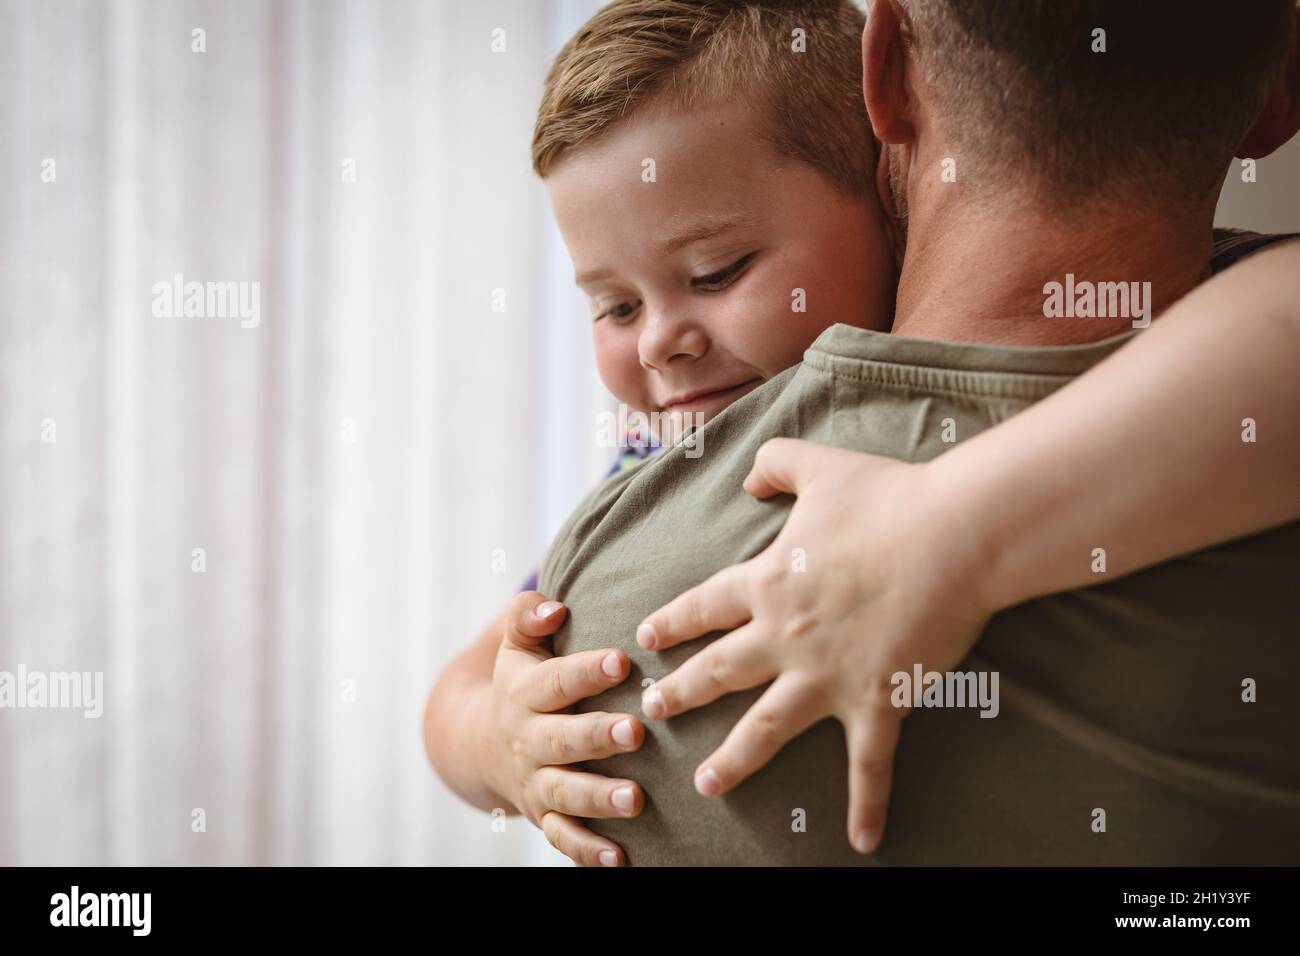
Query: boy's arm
[[1149, 448], [455, 721]]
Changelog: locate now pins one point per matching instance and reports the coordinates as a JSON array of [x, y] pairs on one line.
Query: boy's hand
[[874, 572], [537, 737]]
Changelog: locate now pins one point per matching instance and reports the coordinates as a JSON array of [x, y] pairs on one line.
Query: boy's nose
[[667, 337]]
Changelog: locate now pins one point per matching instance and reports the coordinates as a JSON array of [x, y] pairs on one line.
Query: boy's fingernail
[[608, 858], [547, 608], [611, 665], [865, 842], [645, 636], [708, 782], [624, 799], [652, 702], [622, 733]]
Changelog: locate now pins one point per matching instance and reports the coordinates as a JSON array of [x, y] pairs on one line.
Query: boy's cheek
[[771, 332], [620, 369]]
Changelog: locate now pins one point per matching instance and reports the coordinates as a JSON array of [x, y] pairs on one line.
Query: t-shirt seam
[[904, 378]]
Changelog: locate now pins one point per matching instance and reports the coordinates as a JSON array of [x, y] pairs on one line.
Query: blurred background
[[270, 535]]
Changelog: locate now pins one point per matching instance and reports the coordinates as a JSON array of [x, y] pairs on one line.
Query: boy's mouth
[[709, 399]]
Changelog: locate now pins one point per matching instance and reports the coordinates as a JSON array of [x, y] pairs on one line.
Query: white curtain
[[269, 539]]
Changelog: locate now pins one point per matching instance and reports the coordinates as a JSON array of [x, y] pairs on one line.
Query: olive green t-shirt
[[1121, 706]]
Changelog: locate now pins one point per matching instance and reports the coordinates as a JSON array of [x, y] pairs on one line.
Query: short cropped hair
[[1089, 97], [797, 64]]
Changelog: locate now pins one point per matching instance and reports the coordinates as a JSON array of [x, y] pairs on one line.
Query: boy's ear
[[884, 73], [1280, 118]]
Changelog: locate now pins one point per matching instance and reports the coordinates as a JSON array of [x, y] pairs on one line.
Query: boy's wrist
[[480, 716], [973, 536], [470, 764]]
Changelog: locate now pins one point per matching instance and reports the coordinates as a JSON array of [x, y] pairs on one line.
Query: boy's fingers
[[872, 742], [736, 662], [719, 604], [578, 843], [781, 465], [572, 738], [532, 618], [560, 682], [790, 464], [589, 795], [785, 711]]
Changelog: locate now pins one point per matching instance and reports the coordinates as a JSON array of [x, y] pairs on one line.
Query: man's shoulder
[[679, 482], [1233, 245], [582, 524]]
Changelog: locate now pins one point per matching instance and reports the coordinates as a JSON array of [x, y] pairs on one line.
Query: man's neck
[[970, 278]]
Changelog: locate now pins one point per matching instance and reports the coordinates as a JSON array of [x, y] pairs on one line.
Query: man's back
[[1125, 698]]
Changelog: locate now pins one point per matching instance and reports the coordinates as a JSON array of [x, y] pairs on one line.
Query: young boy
[[713, 174]]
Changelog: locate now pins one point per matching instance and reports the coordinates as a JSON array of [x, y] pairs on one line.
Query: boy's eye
[[622, 312], [723, 277]]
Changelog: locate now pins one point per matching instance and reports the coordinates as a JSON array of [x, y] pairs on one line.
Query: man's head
[[1072, 102], [712, 171]]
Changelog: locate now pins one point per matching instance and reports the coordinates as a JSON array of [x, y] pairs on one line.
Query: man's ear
[[894, 207], [1280, 118], [884, 73]]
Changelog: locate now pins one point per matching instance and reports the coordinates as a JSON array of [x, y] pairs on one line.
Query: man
[[1109, 742]]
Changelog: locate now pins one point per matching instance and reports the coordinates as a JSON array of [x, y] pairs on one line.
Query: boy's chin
[[699, 411]]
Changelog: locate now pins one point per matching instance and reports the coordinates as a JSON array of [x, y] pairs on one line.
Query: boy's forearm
[[456, 719], [1145, 456]]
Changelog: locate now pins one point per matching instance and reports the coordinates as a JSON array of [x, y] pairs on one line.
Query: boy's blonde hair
[[809, 102]]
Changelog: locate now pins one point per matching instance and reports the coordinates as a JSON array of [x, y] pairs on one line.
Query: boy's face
[[694, 277]]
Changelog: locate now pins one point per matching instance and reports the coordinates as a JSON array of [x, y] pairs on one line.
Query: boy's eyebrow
[[591, 275], [703, 229]]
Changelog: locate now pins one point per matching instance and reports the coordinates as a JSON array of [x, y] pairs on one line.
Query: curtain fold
[[268, 529]]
